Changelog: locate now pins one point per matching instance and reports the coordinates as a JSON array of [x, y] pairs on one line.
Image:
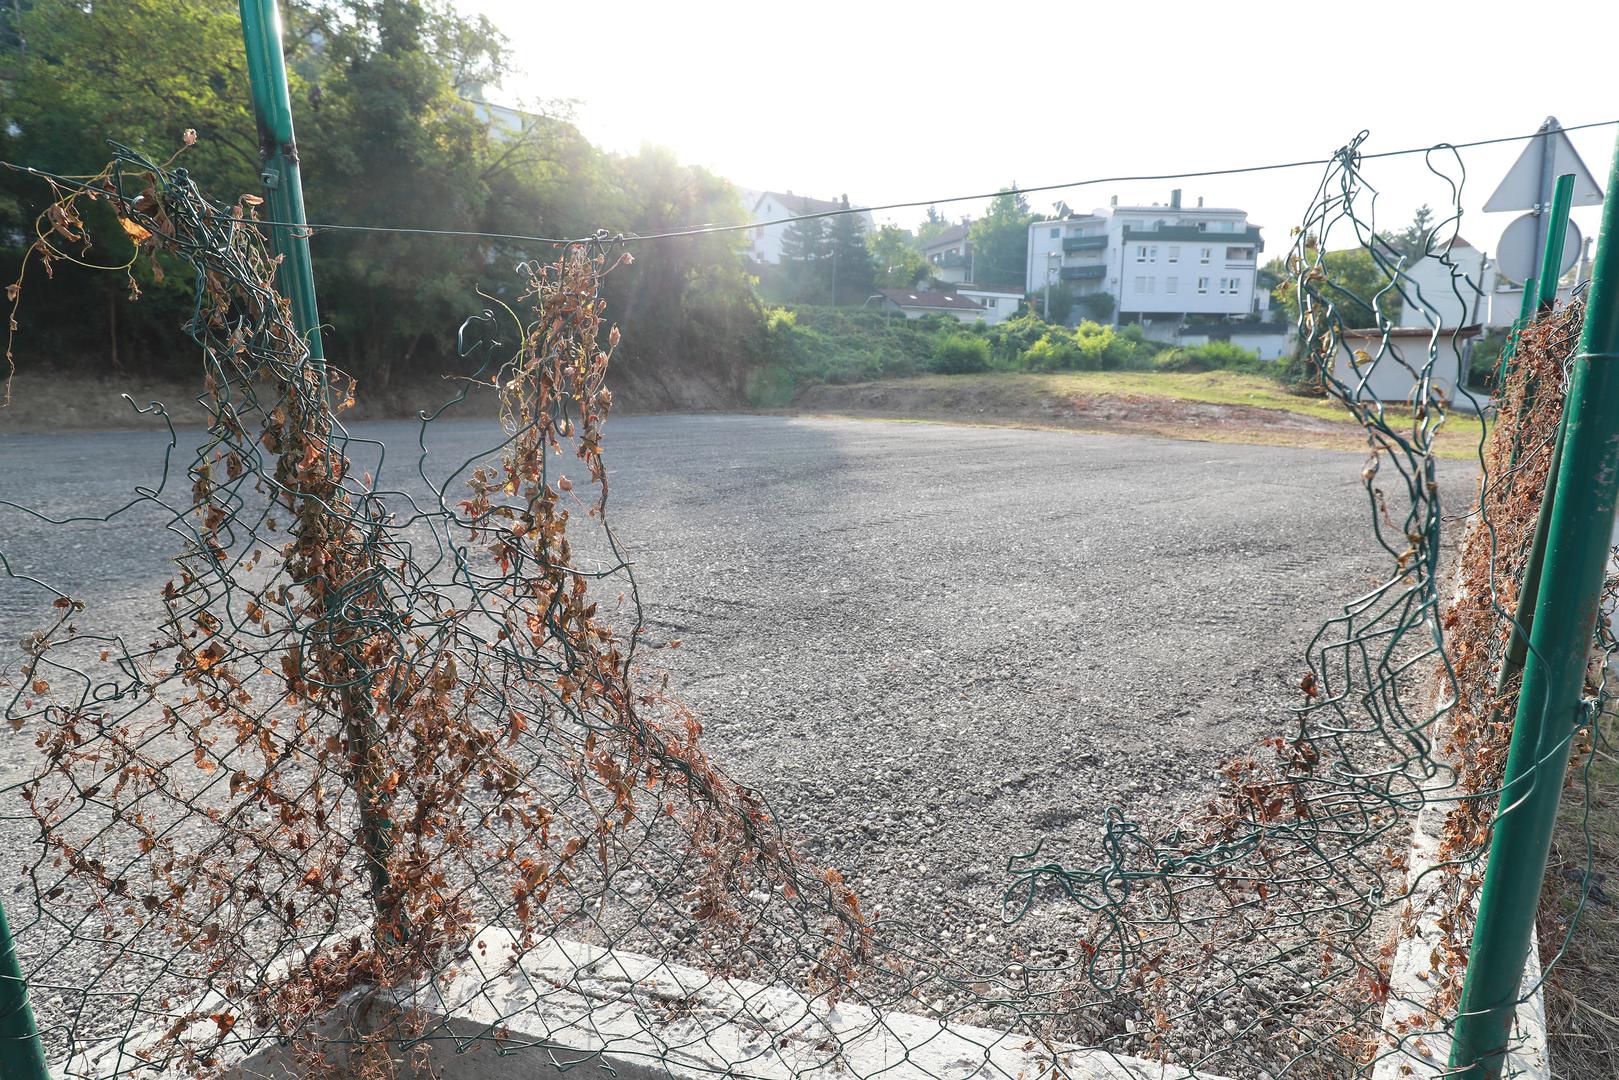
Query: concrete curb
[[1416, 1037], [565, 1007]]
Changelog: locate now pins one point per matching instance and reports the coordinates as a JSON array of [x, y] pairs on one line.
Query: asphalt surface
[[931, 647], [925, 643]]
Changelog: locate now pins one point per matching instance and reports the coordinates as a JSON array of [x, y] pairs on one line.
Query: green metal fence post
[[1550, 703], [284, 191], [1551, 259], [1529, 588], [21, 1055], [283, 182]]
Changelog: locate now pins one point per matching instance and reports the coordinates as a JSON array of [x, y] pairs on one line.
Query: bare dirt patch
[[1020, 403]]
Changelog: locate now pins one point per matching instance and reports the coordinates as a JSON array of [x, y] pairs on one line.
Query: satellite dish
[[1515, 255]]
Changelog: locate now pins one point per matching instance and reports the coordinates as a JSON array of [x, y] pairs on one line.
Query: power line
[[711, 230]]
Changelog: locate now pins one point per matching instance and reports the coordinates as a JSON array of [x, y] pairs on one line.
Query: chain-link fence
[[376, 778]]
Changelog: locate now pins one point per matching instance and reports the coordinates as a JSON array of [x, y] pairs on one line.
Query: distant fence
[[375, 779]]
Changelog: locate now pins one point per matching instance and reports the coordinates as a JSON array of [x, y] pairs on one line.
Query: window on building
[[1202, 286], [1174, 253], [1141, 253], [1152, 254], [1172, 285], [1141, 283], [1228, 286], [1203, 255], [1055, 233]]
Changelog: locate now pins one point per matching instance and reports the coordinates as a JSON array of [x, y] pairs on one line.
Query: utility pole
[[1050, 255]]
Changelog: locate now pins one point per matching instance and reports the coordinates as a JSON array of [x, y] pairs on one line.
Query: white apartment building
[[1162, 265], [764, 242]]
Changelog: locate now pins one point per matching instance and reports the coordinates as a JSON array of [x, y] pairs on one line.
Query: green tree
[[1412, 241], [896, 257], [1000, 240], [1097, 306], [1061, 303], [850, 263], [387, 140], [931, 226], [1351, 284], [806, 256]]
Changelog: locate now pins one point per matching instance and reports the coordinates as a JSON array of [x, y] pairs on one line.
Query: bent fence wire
[[377, 778]]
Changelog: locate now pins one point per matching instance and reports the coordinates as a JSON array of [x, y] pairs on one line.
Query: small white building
[[1461, 285], [764, 241], [1162, 264], [999, 302], [1454, 283], [914, 304], [949, 255], [1389, 370]]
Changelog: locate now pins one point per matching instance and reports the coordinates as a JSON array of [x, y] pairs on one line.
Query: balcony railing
[[1084, 243], [1192, 234], [1083, 273]]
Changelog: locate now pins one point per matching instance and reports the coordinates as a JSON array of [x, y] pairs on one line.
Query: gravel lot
[[930, 646]]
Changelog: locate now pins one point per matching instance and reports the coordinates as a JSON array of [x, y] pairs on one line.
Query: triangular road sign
[[1527, 184]]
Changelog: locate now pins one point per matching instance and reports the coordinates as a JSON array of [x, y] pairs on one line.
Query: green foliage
[[1097, 306], [852, 280], [1412, 241], [1486, 359], [1061, 303], [959, 354], [931, 226], [824, 260], [845, 345], [386, 139], [1213, 356], [896, 257], [1000, 241], [805, 241], [808, 345], [1353, 282]]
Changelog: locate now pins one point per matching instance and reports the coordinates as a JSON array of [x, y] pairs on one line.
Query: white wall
[[1269, 346], [1505, 303], [998, 307], [1169, 278], [1390, 380], [1440, 285]]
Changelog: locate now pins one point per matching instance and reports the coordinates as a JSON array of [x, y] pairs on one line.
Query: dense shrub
[[1056, 351], [1214, 356], [1087, 347], [845, 345], [807, 345], [959, 354]]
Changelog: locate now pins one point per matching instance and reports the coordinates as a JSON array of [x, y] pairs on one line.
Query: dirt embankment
[[57, 401], [1030, 403], [46, 400]]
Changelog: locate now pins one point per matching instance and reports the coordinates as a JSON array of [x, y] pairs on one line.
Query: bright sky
[[891, 102]]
